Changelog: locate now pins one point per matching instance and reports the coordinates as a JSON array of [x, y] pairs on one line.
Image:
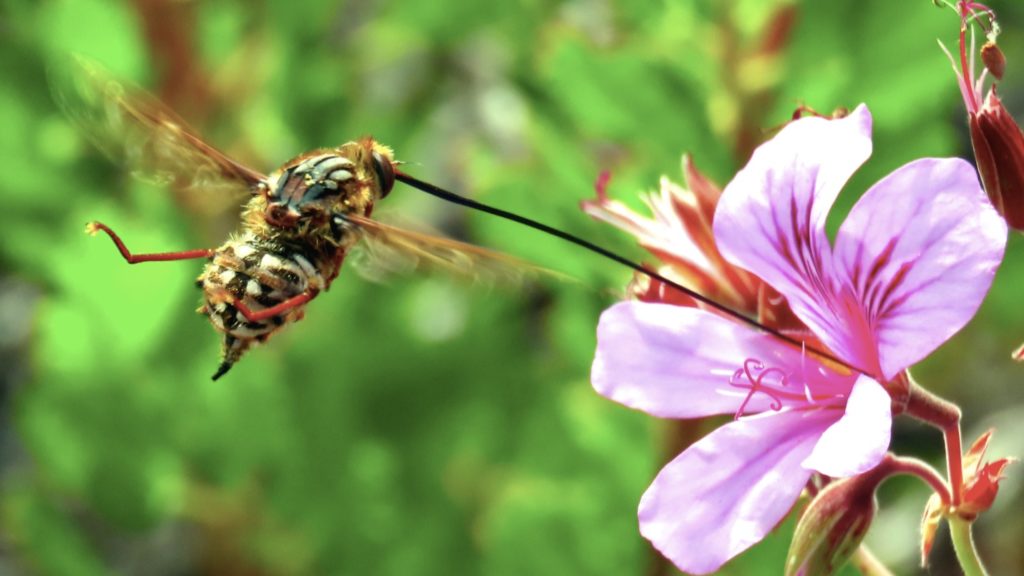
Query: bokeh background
[[421, 426]]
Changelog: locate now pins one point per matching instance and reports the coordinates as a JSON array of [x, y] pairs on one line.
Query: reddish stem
[[169, 27], [954, 460], [968, 78], [945, 416], [900, 465]]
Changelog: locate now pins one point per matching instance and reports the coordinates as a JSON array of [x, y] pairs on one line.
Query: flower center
[[781, 387]]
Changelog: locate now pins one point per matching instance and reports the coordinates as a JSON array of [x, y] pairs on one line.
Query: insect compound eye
[[385, 174]]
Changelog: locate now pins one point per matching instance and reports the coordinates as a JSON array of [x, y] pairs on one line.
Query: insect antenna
[[622, 260]]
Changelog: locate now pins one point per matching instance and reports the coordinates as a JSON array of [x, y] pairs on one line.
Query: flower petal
[[724, 493], [668, 234], [771, 217], [920, 250], [858, 441], [678, 362]]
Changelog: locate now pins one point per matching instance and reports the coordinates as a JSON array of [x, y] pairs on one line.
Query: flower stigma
[[778, 385]]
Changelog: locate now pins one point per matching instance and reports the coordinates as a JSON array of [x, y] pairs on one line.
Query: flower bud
[[994, 59], [978, 492], [999, 151], [833, 525], [981, 478], [934, 512], [996, 138]]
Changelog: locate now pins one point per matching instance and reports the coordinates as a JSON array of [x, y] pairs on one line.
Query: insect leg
[[275, 310], [94, 227]]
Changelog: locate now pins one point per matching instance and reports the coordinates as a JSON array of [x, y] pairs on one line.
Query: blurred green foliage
[[421, 426]]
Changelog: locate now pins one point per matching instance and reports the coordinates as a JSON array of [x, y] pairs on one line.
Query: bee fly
[[297, 227]]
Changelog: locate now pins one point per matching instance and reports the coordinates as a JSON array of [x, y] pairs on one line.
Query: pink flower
[[910, 266]]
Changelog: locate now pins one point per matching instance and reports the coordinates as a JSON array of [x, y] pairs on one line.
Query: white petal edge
[[859, 440]]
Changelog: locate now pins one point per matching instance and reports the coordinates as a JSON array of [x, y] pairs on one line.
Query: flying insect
[[297, 227]]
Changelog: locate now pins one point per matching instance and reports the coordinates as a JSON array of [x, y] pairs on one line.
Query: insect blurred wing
[[388, 250], [134, 128]]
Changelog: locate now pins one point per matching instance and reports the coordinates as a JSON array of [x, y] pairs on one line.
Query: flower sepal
[[981, 479], [979, 490], [679, 235], [999, 151]]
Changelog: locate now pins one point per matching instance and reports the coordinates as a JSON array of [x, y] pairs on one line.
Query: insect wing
[[387, 250], [134, 128]]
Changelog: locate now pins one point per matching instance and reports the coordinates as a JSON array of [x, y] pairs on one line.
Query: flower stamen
[[755, 377], [755, 373]]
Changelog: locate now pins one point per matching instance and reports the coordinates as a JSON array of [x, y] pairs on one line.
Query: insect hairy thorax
[[303, 199]]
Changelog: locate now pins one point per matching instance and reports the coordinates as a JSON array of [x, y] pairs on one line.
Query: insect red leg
[[94, 227], [275, 310]]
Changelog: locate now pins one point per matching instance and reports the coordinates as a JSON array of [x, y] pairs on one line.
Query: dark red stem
[[945, 416], [900, 465]]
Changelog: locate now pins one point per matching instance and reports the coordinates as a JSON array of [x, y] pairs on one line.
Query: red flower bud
[[994, 59], [934, 512], [981, 479], [997, 140], [979, 489], [834, 524], [999, 151], [980, 492]]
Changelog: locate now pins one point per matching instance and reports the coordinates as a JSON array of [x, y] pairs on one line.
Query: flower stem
[[945, 416], [867, 563], [901, 465], [963, 544], [964, 68], [954, 461]]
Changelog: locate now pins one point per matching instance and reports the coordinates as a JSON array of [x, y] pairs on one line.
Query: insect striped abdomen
[[260, 274]]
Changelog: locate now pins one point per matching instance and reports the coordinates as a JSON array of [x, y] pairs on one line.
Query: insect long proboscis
[[443, 194]]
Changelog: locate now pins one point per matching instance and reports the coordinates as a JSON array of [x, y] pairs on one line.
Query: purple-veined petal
[[771, 220], [920, 250], [724, 493], [857, 442], [678, 362]]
